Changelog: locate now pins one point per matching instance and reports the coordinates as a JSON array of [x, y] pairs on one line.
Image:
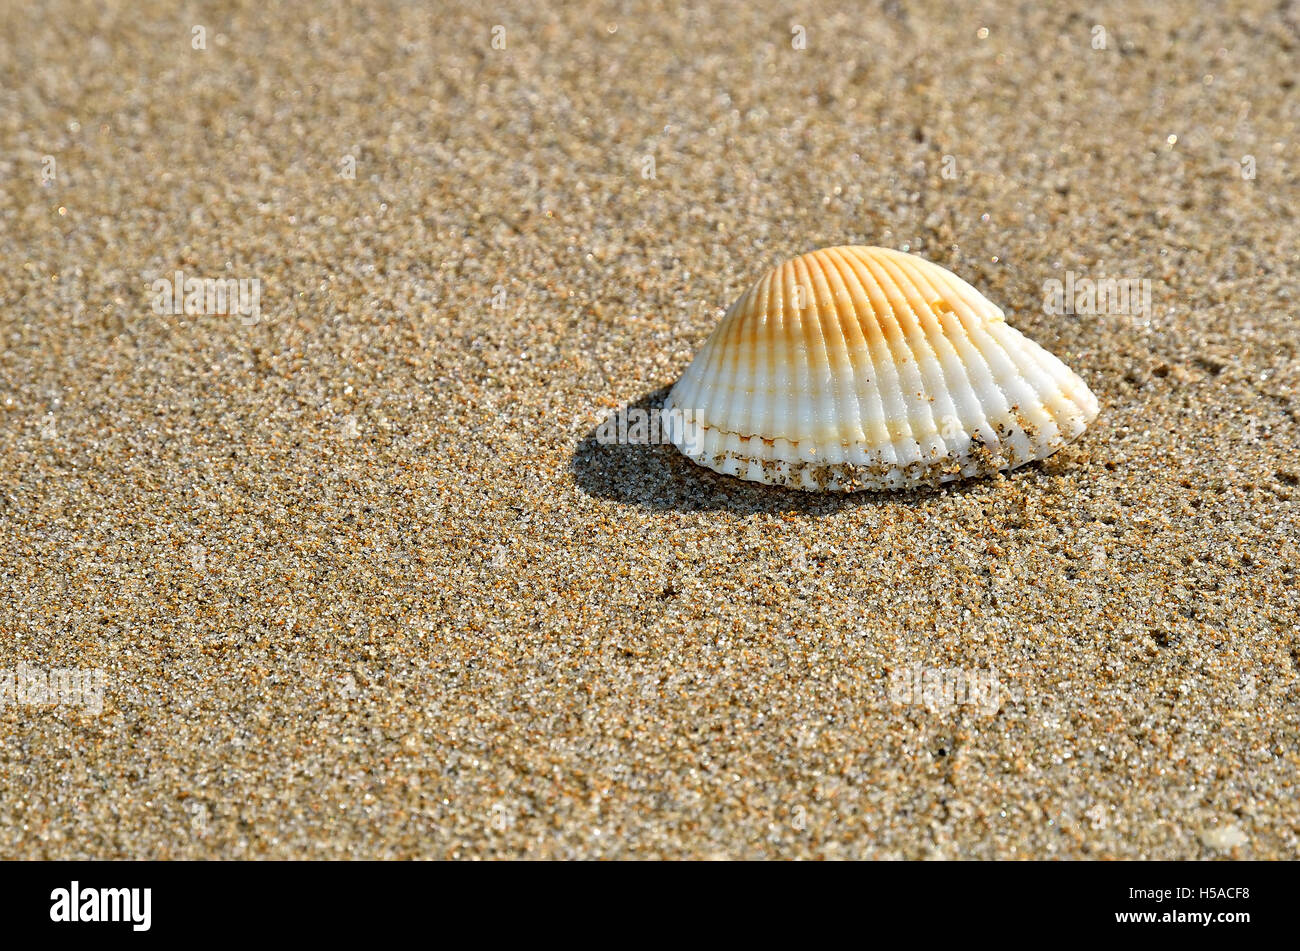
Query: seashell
[[865, 368]]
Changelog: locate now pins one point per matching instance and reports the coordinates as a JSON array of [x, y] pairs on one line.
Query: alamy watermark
[[77, 904], [30, 686], [653, 426], [1125, 297], [208, 295], [940, 689]]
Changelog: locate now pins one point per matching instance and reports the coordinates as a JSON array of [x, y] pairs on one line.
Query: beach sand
[[362, 583]]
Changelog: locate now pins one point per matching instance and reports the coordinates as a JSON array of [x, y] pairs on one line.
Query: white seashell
[[864, 368]]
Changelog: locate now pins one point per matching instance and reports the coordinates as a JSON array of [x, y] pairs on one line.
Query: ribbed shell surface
[[856, 368]]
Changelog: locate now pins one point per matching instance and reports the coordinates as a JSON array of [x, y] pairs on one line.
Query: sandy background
[[361, 582]]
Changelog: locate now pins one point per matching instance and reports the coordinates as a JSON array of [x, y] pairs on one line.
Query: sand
[[359, 578]]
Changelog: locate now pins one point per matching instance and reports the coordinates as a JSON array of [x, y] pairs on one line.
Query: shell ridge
[[1052, 378], [910, 383], [962, 290], [812, 386], [691, 389], [996, 431], [1052, 367], [720, 370], [971, 418], [757, 381], [969, 323], [923, 346], [694, 396], [781, 422], [1047, 409], [847, 428], [901, 438], [824, 409], [890, 381], [1019, 394], [741, 404], [880, 369], [925, 420], [852, 340], [770, 392], [872, 415]]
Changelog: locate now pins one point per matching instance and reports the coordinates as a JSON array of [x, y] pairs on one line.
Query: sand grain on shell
[[363, 584]]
